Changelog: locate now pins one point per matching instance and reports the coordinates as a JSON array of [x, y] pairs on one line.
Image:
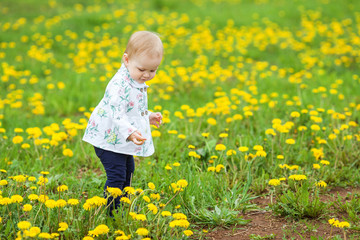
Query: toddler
[[119, 127]]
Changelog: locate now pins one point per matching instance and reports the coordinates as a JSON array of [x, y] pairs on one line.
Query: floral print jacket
[[122, 111]]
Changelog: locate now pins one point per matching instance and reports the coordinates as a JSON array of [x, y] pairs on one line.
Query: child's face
[[142, 68]]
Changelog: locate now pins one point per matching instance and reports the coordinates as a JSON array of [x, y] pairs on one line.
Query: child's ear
[[126, 59]]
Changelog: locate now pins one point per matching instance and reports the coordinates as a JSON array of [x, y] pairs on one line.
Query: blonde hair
[[144, 42]]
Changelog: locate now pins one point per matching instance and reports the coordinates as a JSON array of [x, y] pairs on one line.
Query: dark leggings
[[119, 169]]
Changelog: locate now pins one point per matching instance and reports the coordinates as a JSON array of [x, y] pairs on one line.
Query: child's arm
[[155, 119]]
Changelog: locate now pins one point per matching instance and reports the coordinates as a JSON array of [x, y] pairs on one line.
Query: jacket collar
[[125, 72]]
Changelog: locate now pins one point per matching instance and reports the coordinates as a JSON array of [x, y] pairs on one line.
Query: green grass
[[240, 57]]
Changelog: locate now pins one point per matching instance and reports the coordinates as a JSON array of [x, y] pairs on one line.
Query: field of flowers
[[259, 98]]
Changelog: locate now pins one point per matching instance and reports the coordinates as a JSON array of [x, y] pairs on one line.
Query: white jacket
[[122, 111]]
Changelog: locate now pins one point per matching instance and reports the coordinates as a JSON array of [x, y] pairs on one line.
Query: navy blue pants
[[119, 169]]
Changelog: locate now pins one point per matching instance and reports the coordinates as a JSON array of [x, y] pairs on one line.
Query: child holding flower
[[119, 127]]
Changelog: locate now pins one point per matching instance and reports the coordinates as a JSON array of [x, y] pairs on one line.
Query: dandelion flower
[[179, 216], [146, 199], [324, 162], [20, 178], [261, 153], [205, 135], [41, 198], [223, 135], [295, 114], [155, 133], [61, 203], [25, 146], [274, 182], [211, 121], [332, 136], [88, 238], [152, 208], [129, 190], [165, 213], [3, 182], [321, 184], [114, 192], [243, 149], [32, 179], [179, 223], [50, 203], [331, 221], [192, 154], [24, 225], [220, 147], [68, 152], [270, 132], [33, 197], [125, 200], [99, 230], [182, 183], [188, 232], [140, 217], [230, 152], [298, 177], [17, 139], [316, 166], [16, 199], [219, 167], [27, 208], [151, 185], [73, 202], [63, 226], [343, 225], [155, 196], [211, 169], [142, 231], [33, 232], [45, 235], [62, 188], [5, 201]]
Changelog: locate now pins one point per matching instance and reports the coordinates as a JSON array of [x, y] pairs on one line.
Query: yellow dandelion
[[211, 121], [151, 185], [321, 184], [142, 231], [220, 147], [165, 213], [316, 166], [146, 199], [274, 182], [188, 232], [17, 139], [24, 225], [27, 208], [182, 183]]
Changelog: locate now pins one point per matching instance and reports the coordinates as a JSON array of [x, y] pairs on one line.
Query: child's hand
[[137, 138], [155, 119]]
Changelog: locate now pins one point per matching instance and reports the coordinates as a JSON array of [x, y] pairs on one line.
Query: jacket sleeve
[[119, 98]]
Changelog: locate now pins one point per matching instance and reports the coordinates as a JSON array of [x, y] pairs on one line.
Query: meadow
[[260, 100]]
